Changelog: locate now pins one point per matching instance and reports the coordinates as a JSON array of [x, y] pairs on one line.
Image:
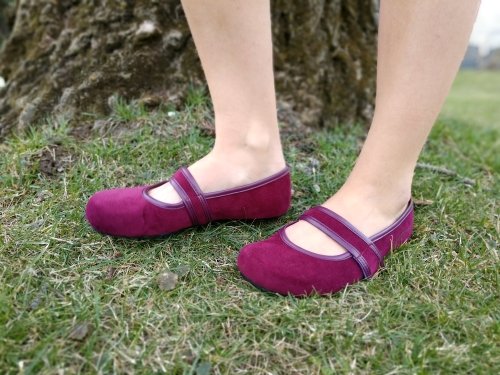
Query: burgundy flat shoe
[[132, 212], [278, 265]]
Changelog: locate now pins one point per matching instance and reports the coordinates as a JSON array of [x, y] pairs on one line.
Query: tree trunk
[[69, 57], [7, 15]]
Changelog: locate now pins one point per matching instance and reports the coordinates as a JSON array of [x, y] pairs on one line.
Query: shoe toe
[[116, 211], [270, 265], [273, 266]]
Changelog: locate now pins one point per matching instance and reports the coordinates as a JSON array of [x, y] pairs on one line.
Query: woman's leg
[[233, 40], [421, 44]]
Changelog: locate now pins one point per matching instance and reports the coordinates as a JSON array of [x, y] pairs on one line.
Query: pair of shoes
[[276, 264]]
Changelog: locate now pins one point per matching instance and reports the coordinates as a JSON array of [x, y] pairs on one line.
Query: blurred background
[[475, 94], [484, 48]]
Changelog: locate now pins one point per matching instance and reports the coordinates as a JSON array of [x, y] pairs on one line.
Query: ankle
[[223, 168], [262, 153], [385, 201], [254, 136]]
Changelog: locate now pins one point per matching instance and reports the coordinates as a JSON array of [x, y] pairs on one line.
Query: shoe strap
[[362, 249], [193, 198]]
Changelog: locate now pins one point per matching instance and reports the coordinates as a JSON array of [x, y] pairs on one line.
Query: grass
[[475, 99], [434, 308]]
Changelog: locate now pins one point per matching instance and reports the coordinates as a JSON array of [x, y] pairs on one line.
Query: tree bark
[[69, 57], [7, 15]]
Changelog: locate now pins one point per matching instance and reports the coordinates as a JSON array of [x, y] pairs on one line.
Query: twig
[[447, 172], [422, 202]]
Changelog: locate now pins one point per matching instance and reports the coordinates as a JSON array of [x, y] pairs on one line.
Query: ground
[[74, 301]]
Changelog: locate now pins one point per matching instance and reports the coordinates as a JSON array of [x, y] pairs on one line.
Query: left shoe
[[280, 266], [132, 212]]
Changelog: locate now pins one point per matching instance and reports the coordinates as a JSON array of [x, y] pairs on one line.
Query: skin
[[233, 40], [421, 44]]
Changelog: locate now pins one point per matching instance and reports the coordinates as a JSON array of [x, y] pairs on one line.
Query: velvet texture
[[277, 265], [131, 212]]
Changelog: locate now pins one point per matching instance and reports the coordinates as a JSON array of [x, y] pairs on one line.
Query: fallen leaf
[[422, 202], [80, 331], [167, 280]]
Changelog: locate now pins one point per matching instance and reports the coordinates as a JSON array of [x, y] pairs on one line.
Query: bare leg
[[421, 44], [233, 40]]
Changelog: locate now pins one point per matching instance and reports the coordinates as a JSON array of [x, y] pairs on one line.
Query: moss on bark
[[70, 56]]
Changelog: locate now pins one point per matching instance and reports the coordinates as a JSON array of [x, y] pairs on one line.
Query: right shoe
[[132, 212], [278, 265]]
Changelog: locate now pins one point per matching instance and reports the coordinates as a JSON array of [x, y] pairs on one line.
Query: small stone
[[38, 298], [147, 30], [2, 82], [111, 273], [316, 188], [182, 270], [80, 331], [167, 280], [203, 368]]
